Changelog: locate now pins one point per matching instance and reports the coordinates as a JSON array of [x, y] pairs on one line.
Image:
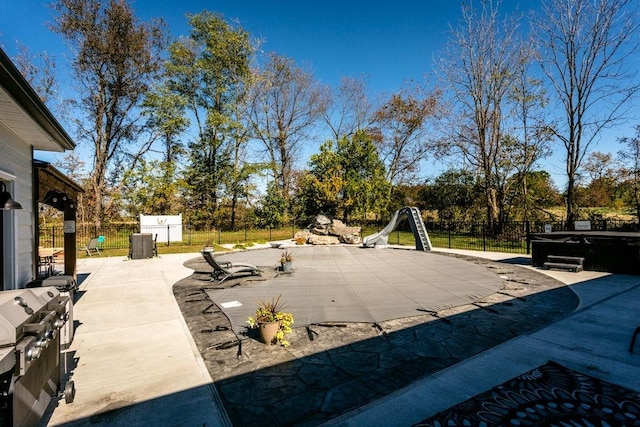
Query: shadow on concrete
[[517, 260], [318, 387], [185, 408], [340, 369]]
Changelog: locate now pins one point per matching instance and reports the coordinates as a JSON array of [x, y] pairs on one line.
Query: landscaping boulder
[[321, 225], [323, 240], [302, 236], [345, 233], [350, 239]]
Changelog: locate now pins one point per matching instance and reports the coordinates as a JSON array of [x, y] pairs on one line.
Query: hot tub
[[610, 251]]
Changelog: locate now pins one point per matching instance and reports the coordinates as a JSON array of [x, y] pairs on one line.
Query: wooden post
[[70, 251]]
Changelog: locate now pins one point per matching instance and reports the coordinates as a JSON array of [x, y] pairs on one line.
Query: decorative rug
[[549, 395]]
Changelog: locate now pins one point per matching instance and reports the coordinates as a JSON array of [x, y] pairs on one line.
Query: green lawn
[[117, 243]]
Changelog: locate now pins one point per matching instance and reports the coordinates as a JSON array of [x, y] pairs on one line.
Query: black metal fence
[[508, 237], [116, 236]]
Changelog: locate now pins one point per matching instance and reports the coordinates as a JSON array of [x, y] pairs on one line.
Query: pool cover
[[355, 284]]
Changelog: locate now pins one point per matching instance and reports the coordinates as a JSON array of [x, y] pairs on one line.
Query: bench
[[570, 263]]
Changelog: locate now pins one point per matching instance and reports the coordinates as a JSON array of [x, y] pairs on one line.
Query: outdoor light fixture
[[6, 202]]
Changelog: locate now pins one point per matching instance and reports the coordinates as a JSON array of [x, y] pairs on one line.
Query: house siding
[[17, 159]]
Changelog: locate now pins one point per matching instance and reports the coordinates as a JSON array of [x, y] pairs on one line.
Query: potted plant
[[272, 322], [286, 261], [208, 246]]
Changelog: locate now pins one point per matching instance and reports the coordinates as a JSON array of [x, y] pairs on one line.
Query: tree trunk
[[234, 202], [571, 203], [525, 197]]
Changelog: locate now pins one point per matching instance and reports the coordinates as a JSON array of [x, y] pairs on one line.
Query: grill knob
[[50, 334], [33, 353], [41, 342]]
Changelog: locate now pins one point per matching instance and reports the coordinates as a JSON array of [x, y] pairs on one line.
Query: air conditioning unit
[[141, 246]]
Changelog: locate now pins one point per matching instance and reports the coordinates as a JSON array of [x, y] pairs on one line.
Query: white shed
[[165, 228]]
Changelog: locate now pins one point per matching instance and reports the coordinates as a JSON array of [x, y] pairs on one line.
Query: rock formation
[[329, 232]]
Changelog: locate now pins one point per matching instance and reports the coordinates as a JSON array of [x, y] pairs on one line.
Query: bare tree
[[348, 109], [479, 65], [530, 133], [630, 157], [599, 165], [239, 185], [39, 70], [402, 138], [74, 168], [584, 47], [286, 102], [116, 60]]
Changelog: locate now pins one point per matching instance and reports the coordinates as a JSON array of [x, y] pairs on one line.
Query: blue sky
[[385, 42]]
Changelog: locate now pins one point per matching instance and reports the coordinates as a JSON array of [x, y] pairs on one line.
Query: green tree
[[455, 194], [165, 110], [321, 186], [409, 195], [346, 179], [209, 70], [271, 211], [166, 118], [147, 192], [117, 58], [599, 189], [533, 204]]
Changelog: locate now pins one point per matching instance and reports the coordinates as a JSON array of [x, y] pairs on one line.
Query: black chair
[[226, 270]]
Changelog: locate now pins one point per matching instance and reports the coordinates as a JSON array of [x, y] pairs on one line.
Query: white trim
[[6, 176]]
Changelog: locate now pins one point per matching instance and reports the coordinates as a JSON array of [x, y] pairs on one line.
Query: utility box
[[141, 246]]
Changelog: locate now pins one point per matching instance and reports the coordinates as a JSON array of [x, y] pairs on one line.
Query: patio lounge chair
[[92, 246], [226, 270]]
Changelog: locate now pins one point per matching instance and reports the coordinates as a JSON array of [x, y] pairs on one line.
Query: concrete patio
[[135, 362]]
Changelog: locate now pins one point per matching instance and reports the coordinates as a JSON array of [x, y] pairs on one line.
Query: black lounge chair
[[227, 270]]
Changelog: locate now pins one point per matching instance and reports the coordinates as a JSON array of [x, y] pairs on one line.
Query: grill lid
[[20, 307]]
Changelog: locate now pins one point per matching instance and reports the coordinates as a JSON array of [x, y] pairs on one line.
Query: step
[[562, 266], [565, 259]]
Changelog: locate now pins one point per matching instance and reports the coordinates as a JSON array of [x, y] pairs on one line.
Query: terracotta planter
[[268, 331]]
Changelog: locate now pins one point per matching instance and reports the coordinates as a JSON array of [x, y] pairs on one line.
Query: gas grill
[[30, 323]]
